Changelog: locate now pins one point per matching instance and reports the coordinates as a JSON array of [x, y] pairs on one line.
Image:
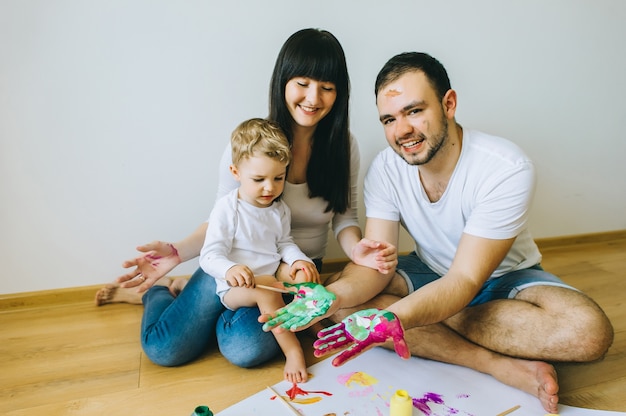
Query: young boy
[[249, 233]]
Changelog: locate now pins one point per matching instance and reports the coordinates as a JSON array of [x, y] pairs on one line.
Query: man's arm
[[475, 260]]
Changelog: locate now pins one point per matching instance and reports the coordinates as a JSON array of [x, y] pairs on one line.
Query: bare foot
[[177, 284], [535, 377], [113, 293], [295, 367]]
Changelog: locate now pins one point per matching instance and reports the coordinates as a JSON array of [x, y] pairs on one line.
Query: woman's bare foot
[[295, 367], [535, 377], [114, 293]]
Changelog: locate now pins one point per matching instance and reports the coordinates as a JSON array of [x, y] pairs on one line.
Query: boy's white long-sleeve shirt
[[240, 233], [309, 219]]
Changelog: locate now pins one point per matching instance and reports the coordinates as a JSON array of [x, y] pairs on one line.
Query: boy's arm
[[218, 240]]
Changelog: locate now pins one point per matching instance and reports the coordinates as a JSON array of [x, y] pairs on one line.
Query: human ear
[[448, 103], [234, 171]]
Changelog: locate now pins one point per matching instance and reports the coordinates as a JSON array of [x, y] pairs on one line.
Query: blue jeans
[[177, 330]]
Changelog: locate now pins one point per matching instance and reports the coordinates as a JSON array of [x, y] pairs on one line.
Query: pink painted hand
[[312, 301], [376, 255], [361, 331], [159, 258]]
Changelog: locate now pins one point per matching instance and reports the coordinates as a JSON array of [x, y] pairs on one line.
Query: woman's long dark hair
[[317, 54]]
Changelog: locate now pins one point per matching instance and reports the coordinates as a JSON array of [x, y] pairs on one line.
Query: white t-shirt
[[241, 233], [488, 195], [309, 222]]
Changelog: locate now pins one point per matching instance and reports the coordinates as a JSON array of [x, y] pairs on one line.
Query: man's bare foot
[[114, 293], [295, 367], [535, 377]]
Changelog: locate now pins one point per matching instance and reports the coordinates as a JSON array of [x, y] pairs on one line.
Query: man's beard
[[437, 141]]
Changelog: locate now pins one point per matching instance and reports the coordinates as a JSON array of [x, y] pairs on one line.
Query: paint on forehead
[[392, 92]]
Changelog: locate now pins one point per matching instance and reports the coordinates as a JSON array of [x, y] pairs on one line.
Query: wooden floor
[[64, 356]]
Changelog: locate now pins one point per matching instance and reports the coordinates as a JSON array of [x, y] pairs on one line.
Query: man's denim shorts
[[417, 274]]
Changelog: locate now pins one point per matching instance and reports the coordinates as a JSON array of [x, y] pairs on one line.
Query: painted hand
[[361, 331], [158, 259], [312, 301]]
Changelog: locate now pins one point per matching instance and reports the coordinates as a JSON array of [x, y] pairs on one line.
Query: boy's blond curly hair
[[259, 136]]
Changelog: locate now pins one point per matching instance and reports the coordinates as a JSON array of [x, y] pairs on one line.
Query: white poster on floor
[[364, 386]]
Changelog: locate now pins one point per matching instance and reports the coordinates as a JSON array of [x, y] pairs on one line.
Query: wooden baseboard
[[48, 297], [87, 293], [570, 240]]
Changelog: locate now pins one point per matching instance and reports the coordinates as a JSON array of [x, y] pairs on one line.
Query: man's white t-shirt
[[489, 195]]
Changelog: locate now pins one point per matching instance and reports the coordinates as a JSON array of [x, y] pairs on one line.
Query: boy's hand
[[240, 275]]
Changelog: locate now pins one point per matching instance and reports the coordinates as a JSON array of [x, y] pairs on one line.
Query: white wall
[[113, 113]]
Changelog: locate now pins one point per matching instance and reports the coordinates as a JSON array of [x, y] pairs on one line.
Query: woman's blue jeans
[[177, 330]]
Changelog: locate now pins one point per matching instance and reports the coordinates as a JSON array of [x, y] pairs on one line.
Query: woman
[[309, 94]]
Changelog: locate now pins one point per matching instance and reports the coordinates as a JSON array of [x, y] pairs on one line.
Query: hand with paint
[[377, 255], [159, 259], [312, 301], [361, 331]]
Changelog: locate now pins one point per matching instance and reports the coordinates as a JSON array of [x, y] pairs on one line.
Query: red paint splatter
[[295, 391]]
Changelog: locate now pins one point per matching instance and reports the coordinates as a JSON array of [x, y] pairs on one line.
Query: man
[[473, 292]]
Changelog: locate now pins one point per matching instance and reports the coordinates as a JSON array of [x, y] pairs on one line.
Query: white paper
[[364, 386]]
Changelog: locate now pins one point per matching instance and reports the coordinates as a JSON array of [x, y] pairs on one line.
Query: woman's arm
[[159, 258], [189, 247], [348, 238]]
